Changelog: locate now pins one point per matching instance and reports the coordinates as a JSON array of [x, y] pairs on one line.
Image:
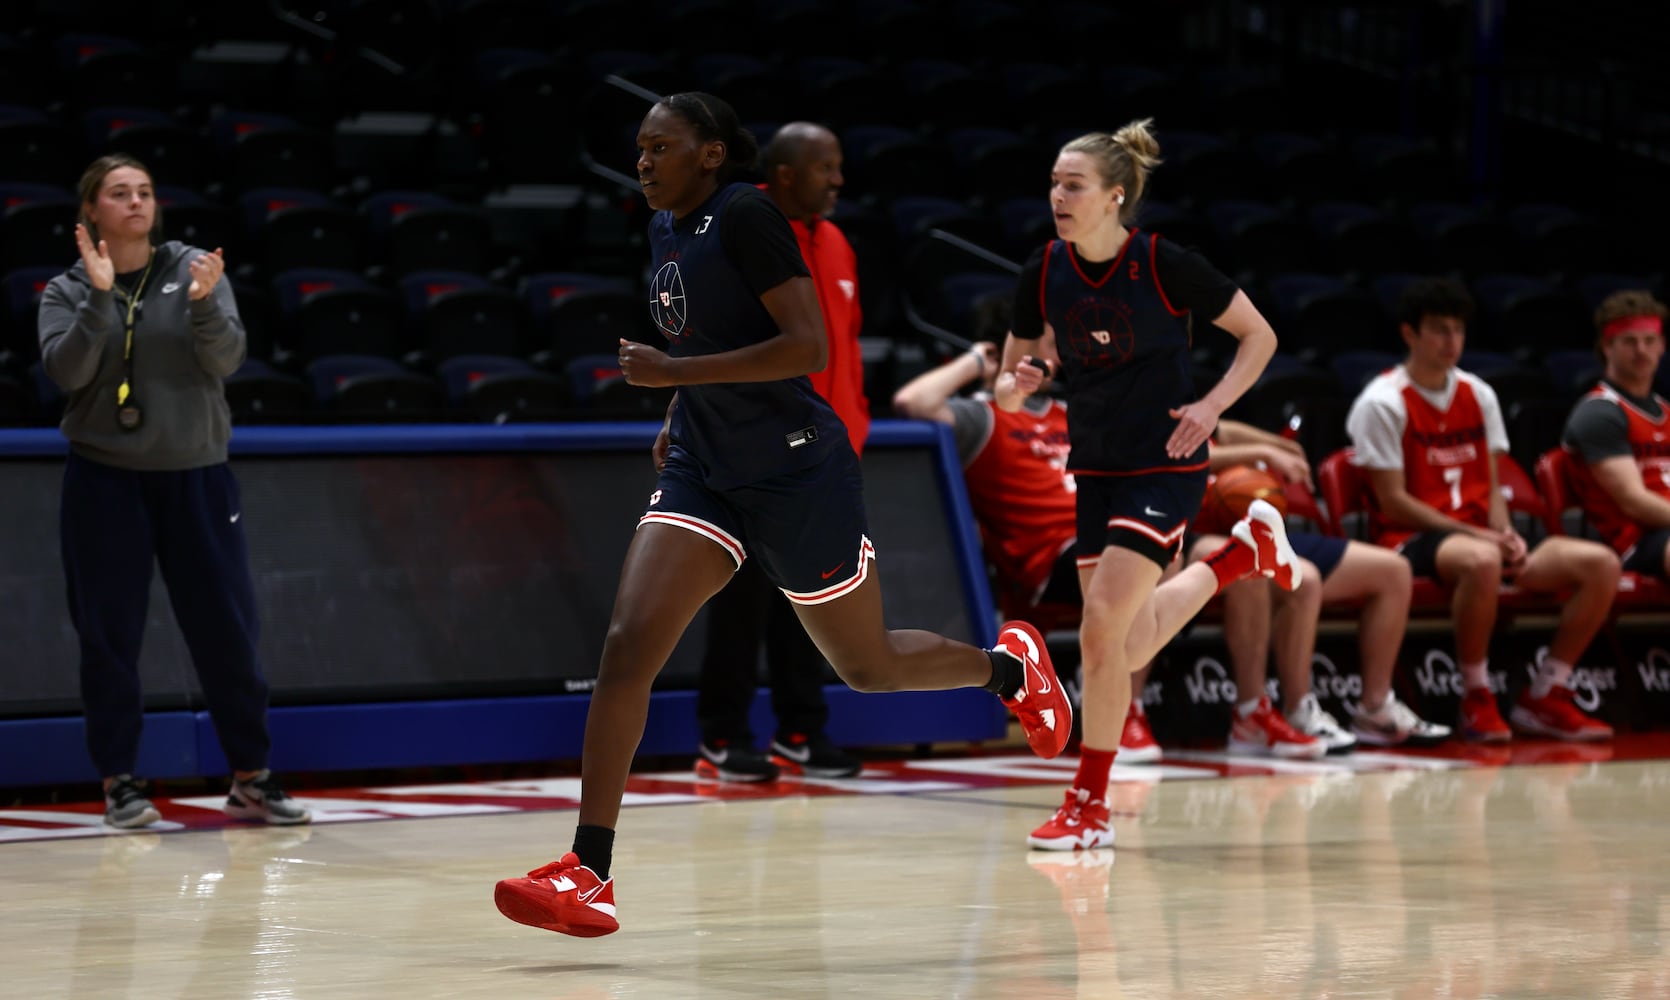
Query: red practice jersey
[[1447, 454], [1022, 494], [1649, 444]]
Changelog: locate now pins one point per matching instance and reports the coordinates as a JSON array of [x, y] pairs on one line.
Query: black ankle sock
[[596, 847], [1006, 674]]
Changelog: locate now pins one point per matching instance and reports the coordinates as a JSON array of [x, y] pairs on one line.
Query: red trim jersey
[[1649, 445], [1124, 349], [1022, 493], [1445, 443]]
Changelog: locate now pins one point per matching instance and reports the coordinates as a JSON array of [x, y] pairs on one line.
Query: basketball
[[1230, 492]]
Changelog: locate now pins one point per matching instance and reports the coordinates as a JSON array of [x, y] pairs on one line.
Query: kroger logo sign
[[1586, 683], [1209, 683], [1437, 676], [1654, 669], [1328, 682]]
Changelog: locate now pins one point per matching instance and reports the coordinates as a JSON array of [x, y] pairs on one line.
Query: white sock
[[1476, 675], [1247, 708], [1552, 671]]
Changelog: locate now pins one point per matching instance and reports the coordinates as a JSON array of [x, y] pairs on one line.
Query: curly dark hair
[[1434, 297]]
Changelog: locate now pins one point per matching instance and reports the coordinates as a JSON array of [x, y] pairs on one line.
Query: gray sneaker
[[263, 798], [1396, 724], [125, 804]]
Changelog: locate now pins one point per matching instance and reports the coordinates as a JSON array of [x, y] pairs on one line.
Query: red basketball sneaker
[[1265, 532], [563, 896], [1136, 740], [1481, 720], [1556, 714], [1041, 705], [1079, 825]]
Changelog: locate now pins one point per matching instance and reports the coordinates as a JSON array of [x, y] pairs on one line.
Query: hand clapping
[[100, 271], [205, 273]]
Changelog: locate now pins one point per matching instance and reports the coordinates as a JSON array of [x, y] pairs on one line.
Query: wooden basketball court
[[1540, 874]]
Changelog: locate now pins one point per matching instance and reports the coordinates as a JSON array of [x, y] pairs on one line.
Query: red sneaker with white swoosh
[[563, 896], [1040, 705]]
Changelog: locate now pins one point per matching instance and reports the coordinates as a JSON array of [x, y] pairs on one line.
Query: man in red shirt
[[1619, 434], [1427, 434], [803, 177]]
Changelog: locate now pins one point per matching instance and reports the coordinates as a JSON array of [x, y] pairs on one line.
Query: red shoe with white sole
[[1041, 704], [1556, 714], [563, 896], [1136, 740], [1081, 824], [1265, 532]]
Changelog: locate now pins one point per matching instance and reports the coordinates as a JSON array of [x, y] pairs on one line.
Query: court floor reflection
[[1466, 882]]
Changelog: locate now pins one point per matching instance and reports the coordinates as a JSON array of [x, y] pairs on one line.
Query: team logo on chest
[[666, 300], [1099, 332]]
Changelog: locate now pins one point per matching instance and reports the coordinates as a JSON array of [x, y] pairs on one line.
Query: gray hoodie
[[182, 350]]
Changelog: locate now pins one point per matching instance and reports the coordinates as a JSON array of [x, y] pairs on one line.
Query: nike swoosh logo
[[171, 288], [1043, 683], [590, 894], [800, 756], [1032, 659], [236, 516], [833, 572], [1151, 512]]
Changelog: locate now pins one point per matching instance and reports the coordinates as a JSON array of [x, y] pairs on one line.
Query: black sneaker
[[722, 760], [125, 804], [263, 798], [813, 756]]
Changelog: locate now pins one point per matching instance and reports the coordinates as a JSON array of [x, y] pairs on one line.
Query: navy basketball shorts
[[1322, 551], [807, 528], [1148, 513]]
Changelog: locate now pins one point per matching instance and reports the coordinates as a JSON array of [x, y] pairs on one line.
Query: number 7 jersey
[[1445, 443]]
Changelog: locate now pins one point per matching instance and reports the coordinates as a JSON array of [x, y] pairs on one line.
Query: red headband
[[1632, 324]]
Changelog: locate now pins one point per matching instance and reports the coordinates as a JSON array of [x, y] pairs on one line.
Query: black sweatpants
[[115, 525], [750, 609]]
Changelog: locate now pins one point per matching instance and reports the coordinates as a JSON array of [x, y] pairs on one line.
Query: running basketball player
[[753, 464], [1116, 301]]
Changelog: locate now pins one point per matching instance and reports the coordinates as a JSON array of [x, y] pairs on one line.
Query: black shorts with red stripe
[[1147, 512], [807, 528]]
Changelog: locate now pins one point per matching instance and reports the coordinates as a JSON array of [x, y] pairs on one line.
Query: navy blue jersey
[[711, 267], [1124, 350]]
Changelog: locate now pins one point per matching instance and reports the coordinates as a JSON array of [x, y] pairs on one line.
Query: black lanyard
[[126, 388]]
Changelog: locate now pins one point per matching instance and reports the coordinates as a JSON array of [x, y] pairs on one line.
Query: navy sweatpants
[[115, 525]]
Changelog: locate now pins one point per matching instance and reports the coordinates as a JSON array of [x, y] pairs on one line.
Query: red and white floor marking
[[940, 775]]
